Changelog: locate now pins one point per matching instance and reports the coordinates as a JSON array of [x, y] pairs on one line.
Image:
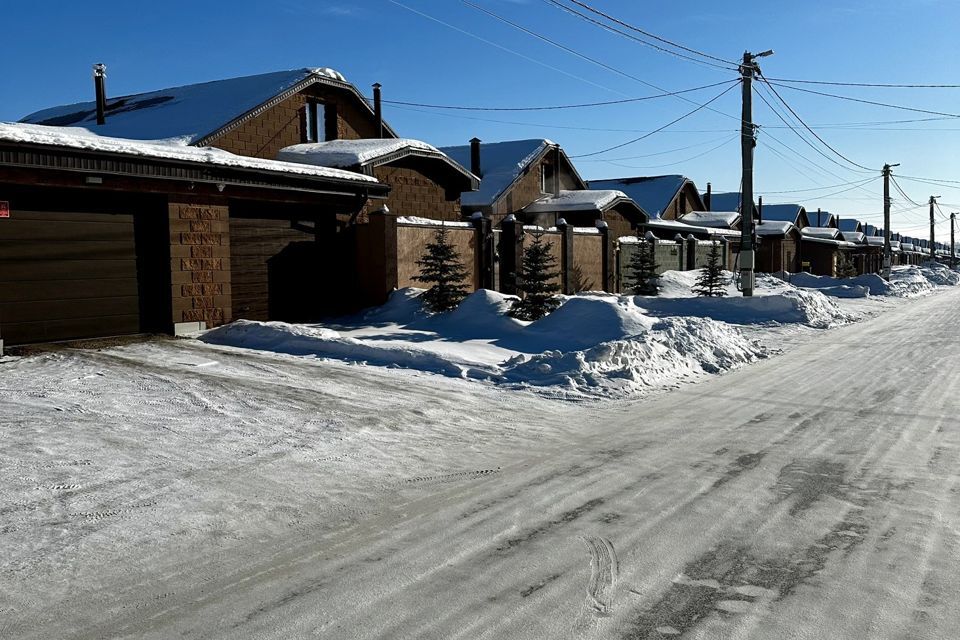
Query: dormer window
[[314, 129]]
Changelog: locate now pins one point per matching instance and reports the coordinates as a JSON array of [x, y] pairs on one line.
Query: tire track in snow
[[603, 572]]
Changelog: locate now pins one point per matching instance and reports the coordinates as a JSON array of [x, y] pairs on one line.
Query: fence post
[[691, 252], [484, 250], [383, 225], [608, 257], [566, 256], [511, 253], [681, 258]]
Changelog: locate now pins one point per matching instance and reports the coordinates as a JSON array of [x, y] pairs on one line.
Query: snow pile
[[672, 350], [868, 284], [593, 345], [774, 301], [351, 153], [939, 274]]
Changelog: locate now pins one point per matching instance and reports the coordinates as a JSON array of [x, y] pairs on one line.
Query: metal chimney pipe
[[708, 196], [378, 108], [760, 210], [99, 83], [475, 168], [818, 217]]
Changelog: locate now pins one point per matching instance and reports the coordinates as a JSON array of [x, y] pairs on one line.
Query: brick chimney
[[475, 157], [99, 84]]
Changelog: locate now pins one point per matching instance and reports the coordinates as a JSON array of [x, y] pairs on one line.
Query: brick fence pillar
[[199, 263], [608, 257], [485, 251], [681, 252], [691, 252], [383, 257], [566, 256], [511, 253]]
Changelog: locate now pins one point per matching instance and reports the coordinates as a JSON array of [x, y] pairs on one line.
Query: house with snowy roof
[[662, 197], [795, 214], [821, 218], [725, 201]]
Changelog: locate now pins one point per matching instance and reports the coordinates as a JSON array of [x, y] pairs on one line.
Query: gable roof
[[195, 112], [774, 228], [821, 218], [712, 219], [849, 224], [820, 232], [367, 153], [791, 213], [502, 164], [652, 193], [595, 200]]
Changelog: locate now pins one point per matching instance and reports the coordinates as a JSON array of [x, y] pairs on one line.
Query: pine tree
[[846, 268], [711, 281], [643, 268], [536, 282], [441, 267]]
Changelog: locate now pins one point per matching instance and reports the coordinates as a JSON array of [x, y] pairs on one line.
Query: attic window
[[315, 129], [546, 178]]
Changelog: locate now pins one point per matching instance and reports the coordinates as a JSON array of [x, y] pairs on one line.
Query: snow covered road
[[181, 489]]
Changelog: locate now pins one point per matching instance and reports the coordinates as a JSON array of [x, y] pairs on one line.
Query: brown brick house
[[424, 181], [258, 116], [107, 236]]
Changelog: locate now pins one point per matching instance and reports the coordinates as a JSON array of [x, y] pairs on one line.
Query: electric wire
[[861, 100]]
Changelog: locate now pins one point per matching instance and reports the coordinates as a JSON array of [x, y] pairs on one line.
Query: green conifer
[[442, 268], [711, 281], [643, 268], [536, 282]]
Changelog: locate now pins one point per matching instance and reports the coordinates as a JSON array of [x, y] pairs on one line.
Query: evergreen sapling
[[846, 268], [442, 268], [536, 282], [711, 281], [643, 268]]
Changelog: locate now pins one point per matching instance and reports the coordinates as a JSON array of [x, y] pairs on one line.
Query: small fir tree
[[846, 268], [711, 281], [536, 282], [442, 268], [643, 268]]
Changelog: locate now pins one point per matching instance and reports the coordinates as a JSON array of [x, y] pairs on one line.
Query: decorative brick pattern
[[200, 262]]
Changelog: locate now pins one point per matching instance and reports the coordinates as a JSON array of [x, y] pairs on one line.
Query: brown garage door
[[67, 275], [273, 269]]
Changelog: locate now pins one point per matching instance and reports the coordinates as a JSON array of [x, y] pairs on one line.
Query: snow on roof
[[351, 153], [683, 228], [907, 246], [773, 227], [582, 200], [191, 111], [853, 236], [712, 219], [895, 245], [832, 241], [849, 224], [820, 232], [430, 222], [782, 212], [653, 193], [501, 163], [824, 219], [79, 138], [874, 241]]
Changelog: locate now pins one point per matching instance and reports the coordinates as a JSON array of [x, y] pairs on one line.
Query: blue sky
[[475, 60]]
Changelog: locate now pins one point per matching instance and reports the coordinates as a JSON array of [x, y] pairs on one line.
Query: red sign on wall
[[4, 209]]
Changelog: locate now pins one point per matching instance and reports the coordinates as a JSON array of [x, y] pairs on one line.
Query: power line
[[873, 102], [833, 186], [652, 45], [583, 5], [869, 84], [672, 164], [672, 122], [807, 127], [581, 105], [662, 153], [903, 193], [503, 48]]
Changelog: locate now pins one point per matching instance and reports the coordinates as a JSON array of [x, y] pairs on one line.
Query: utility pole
[[933, 250], [953, 256], [887, 260], [747, 143]]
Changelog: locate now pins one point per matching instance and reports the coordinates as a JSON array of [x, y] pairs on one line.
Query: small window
[[315, 125]]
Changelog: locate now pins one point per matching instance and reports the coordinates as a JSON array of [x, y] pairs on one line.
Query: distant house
[[820, 218], [584, 208], [424, 182], [514, 174], [778, 246], [728, 201], [795, 214], [663, 197]]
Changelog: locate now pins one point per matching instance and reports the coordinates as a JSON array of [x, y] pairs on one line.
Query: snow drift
[[593, 345]]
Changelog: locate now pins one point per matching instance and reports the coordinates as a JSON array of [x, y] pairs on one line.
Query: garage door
[[273, 270], [67, 275]]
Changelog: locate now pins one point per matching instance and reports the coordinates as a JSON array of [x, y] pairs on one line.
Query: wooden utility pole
[[933, 249], [953, 254], [887, 259], [747, 143]]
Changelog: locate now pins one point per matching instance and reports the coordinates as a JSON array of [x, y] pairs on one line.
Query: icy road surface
[[173, 489]]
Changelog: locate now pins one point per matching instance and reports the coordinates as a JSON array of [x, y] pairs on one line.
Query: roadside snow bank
[[593, 345], [905, 282]]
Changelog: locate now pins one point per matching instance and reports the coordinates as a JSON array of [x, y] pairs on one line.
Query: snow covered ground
[[180, 488]]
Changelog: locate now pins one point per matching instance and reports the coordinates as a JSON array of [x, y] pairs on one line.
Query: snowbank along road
[[174, 489]]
